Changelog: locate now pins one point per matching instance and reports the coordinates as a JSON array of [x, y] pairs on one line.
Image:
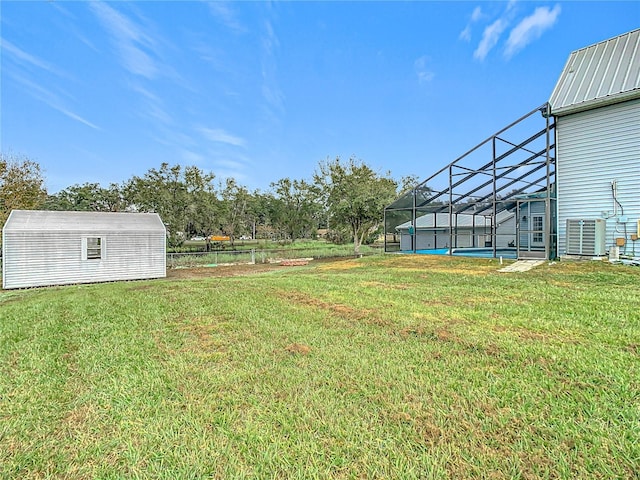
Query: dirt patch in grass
[[298, 349], [441, 334], [251, 269], [634, 348], [414, 331], [386, 286], [563, 284], [448, 302], [363, 315], [526, 334], [442, 264], [220, 271], [8, 297], [79, 418], [340, 265], [472, 270], [339, 309]]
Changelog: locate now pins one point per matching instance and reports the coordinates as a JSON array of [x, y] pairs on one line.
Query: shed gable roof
[[604, 73], [55, 221]]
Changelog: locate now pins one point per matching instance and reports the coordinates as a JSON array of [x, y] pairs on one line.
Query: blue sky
[[99, 92]]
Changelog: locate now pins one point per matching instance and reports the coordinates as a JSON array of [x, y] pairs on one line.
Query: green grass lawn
[[394, 367]]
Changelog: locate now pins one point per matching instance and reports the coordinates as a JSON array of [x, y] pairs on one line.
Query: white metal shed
[[42, 248], [596, 102]]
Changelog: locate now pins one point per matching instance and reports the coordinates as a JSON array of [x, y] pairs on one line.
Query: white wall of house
[[595, 148]]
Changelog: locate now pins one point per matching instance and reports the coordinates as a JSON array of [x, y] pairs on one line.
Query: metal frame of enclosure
[[497, 196]]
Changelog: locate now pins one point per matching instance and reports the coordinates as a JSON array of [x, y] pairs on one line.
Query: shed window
[[94, 248]]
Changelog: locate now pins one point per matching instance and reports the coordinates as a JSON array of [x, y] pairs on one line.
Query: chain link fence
[[226, 257]]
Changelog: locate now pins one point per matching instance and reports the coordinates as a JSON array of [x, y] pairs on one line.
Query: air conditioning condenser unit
[[586, 236]]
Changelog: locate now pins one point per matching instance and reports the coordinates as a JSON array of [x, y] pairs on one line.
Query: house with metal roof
[[42, 248], [569, 170], [596, 105], [431, 231]]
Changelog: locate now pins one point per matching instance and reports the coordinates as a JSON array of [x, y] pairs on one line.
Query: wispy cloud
[[224, 13], [171, 137], [209, 53], [220, 136], [270, 89], [24, 58], [152, 106], [24, 62], [70, 24], [190, 157], [476, 15], [466, 34], [51, 99], [527, 30], [424, 74], [490, 38], [74, 116], [229, 164], [134, 45], [531, 28]]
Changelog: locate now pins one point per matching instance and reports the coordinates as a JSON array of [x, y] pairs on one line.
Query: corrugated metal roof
[[50, 221], [601, 74]]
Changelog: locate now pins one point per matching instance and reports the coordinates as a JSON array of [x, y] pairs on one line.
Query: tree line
[[345, 198]]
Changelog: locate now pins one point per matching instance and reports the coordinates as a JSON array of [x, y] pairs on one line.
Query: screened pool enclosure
[[496, 200]]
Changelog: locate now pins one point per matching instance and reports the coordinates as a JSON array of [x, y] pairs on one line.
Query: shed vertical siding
[[39, 250], [594, 148], [39, 259]]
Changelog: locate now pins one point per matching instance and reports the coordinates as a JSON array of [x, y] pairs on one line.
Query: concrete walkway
[[522, 266]]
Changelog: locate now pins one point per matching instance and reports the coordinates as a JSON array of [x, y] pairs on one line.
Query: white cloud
[[191, 157], [132, 43], [152, 106], [74, 116], [476, 15], [270, 89], [23, 57], [490, 38], [220, 136], [420, 66], [466, 34], [223, 12], [531, 28], [171, 137], [51, 99], [229, 164]]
